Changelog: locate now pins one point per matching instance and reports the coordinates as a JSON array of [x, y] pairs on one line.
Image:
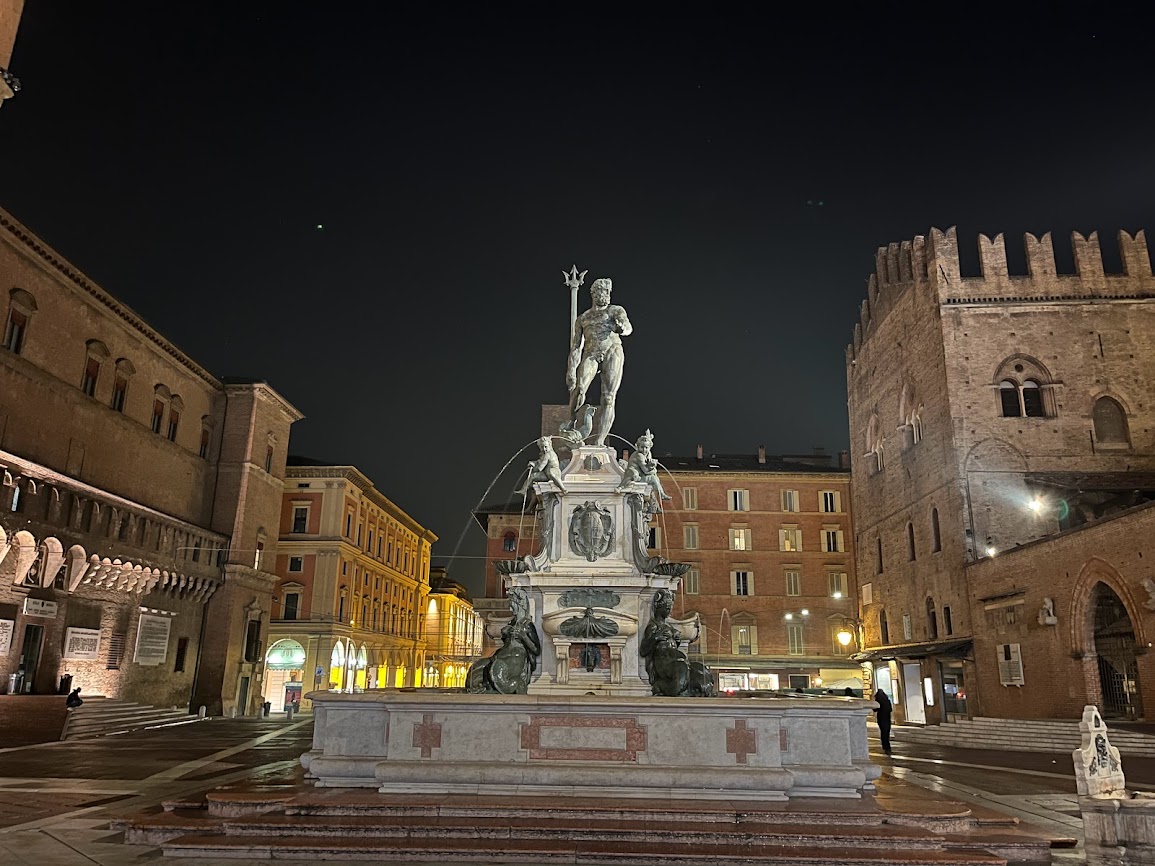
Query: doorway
[[915, 711], [1115, 650], [30, 656]]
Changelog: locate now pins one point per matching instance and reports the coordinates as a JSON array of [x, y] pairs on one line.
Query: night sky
[[372, 212]]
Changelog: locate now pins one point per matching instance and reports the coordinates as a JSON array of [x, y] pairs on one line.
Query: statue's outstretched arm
[[625, 328]]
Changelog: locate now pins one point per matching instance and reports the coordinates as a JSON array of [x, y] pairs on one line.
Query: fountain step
[[559, 850], [580, 830]]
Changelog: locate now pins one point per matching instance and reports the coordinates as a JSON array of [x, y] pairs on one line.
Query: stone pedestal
[[593, 581], [540, 745]]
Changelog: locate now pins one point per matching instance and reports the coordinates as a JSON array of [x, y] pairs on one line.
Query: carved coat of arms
[[591, 531]]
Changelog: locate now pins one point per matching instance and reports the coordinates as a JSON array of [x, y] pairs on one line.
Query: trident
[[574, 281]]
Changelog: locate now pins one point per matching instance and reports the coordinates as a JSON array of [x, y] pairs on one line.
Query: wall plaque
[[81, 644], [152, 640], [6, 628], [40, 607]]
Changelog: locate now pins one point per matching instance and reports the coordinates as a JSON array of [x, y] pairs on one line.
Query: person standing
[[885, 708]]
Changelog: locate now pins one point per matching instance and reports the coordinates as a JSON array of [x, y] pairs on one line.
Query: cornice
[[367, 488], [90, 287]]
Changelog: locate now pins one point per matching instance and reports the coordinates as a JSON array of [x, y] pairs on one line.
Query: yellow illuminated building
[[453, 633], [350, 606]]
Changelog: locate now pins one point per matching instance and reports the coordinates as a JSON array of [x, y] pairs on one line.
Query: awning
[[955, 648]]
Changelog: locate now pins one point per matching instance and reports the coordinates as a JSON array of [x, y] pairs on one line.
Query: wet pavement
[[56, 800]]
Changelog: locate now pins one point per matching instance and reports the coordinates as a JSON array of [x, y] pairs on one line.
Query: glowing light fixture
[[1035, 505], [805, 612], [991, 551], [837, 595], [844, 636], [789, 616]]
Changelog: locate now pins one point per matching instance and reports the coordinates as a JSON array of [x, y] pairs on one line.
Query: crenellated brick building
[[1005, 447]]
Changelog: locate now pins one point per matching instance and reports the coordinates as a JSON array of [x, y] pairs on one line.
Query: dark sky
[[732, 175]]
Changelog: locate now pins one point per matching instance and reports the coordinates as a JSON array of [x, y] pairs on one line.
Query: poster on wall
[[152, 640], [6, 628], [81, 644]]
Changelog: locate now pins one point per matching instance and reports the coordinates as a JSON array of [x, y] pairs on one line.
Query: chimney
[[699, 452], [762, 454], [843, 459]]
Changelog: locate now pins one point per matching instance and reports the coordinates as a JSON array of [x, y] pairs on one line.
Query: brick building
[[1004, 440], [353, 583], [139, 494], [770, 545]]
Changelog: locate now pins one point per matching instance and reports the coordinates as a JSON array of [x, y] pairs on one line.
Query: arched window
[[874, 445], [95, 357], [935, 535], [176, 407], [1009, 398], [509, 542], [931, 620], [1024, 388], [21, 306], [910, 552], [160, 397], [1110, 422], [910, 417], [883, 628], [124, 371], [946, 620]]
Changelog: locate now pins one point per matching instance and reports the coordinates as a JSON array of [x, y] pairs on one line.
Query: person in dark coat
[[885, 708], [73, 700]]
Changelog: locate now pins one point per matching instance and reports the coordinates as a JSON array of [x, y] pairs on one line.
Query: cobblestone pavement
[[56, 800]]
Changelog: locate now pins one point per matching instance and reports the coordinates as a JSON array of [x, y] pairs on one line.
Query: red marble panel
[[635, 738]]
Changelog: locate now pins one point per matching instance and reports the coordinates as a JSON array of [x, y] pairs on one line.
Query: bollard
[[289, 713], [202, 712]]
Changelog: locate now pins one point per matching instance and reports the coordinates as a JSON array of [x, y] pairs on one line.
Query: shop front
[[284, 674], [925, 682]]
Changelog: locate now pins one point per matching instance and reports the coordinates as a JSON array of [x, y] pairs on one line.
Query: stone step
[[550, 851], [1027, 744], [83, 725], [580, 830], [324, 805]]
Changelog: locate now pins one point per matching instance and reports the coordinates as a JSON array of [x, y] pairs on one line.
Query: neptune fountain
[[592, 691]]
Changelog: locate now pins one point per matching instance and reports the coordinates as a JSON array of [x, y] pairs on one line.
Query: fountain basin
[[765, 748]]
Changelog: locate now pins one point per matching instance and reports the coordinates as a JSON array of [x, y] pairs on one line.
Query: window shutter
[[782, 539], [753, 640], [734, 641], [841, 542], [734, 584], [837, 501]]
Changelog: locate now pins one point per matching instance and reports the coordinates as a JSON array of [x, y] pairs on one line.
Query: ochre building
[[140, 499], [349, 612], [453, 632], [1004, 453]]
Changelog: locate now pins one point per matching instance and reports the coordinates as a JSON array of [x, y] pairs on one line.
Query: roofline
[[368, 488], [272, 394], [36, 246]]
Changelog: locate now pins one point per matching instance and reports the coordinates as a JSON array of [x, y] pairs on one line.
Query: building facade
[[770, 546], [997, 419], [139, 495], [453, 632], [350, 606]]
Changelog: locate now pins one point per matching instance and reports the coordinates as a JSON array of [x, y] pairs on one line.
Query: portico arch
[[1106, 633]]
